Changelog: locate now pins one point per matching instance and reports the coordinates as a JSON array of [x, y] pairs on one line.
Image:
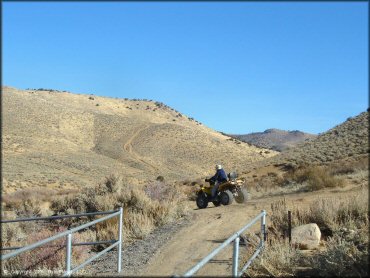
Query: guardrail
[[68, 235], [236, 238]]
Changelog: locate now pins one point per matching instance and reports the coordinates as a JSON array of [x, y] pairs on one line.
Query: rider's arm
[[215, 177]]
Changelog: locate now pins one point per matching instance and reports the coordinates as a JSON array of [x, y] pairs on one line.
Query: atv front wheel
[[202, 201], [242, 196], [226, 197], [217, 203]]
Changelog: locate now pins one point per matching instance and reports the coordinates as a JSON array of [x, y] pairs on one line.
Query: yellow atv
[[226, 192]]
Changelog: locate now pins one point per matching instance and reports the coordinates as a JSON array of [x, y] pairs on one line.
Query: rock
[[306, 236]]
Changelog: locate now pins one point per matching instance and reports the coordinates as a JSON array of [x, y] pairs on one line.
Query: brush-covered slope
[[60, 139], [347, 140], [275, 139]]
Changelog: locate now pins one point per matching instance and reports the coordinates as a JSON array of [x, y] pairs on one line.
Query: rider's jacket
[[220, 176]]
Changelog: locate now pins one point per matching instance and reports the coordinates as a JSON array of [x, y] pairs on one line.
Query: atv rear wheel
[[202, 201], [226, 197], [242, 196]]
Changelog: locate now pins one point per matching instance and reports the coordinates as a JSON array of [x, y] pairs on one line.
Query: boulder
[[306, 236]]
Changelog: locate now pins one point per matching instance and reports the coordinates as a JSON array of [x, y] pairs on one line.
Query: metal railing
[[236, 238], [68, 234]]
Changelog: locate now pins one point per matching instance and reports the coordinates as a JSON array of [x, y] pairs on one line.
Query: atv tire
[[242, 196], [217, 203], [226, 197], [202, 201]]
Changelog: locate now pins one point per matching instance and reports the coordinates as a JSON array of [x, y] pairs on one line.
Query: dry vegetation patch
[[145, 208], [305, 178], [344, 223], [315, 177]]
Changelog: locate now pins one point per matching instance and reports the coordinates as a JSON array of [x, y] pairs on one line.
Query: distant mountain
[[275, 139], [349, 139]]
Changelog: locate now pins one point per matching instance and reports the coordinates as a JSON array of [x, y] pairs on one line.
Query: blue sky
[[237, 67]]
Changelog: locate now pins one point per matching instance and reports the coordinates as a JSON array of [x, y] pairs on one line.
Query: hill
[[348, 140], [64, 140], [275, 139]]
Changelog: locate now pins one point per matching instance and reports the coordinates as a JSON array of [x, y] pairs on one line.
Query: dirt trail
[[209, 228], [128, 147]]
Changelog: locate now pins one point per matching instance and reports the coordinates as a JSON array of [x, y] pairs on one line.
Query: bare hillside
[[347, 140], [61, 140], [275, 139]]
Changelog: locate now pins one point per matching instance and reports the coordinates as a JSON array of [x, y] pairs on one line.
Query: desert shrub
[[279, 217], [189, 190], [316, 177], [349, 166], [333, 213], [145, 207], [160, 178], [161, 191], [50, 256], [330, 214], [14, 201], [342, 257], [186, 182], [106, 230], [159, 104], [341, 168], [29, 208], [344, 222], [12, 234], [264, 185], [112, 183], [278, 259]]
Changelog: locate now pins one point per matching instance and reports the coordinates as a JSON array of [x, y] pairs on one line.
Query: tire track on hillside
[[128, 148]]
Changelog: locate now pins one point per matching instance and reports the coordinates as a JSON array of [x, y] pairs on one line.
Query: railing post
[[236, 257], [120, 240], [68, 254], [263, 228], [290, 226]]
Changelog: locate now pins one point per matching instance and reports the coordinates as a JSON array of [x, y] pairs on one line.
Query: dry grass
[[50, 256], [145, 207], [54, 139], [344, 223], [345, 255], [277, 260], [345, 167], [305, 178], [316, 177]]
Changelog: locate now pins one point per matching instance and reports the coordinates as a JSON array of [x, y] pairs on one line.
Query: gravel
[[137, 254]]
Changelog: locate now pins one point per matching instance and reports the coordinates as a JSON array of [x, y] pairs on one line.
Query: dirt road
[[209, 228], [175, 248]]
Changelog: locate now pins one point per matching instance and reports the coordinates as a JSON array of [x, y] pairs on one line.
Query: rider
[[218, 178]]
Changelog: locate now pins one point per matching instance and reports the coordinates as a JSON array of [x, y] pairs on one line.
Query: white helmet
[[218, 167]]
